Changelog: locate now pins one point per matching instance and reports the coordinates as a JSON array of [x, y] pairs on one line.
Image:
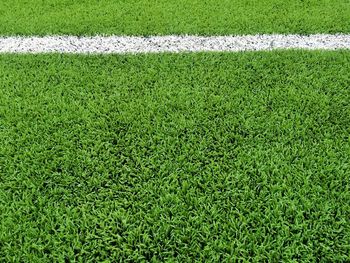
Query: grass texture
[[159, 17], [208, 157]]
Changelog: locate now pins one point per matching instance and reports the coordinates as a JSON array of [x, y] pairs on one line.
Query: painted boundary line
[[174, 44]]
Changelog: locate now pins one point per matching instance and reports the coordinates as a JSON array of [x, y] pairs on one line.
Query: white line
[[174, 44]]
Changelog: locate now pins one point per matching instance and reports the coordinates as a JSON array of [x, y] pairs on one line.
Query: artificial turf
[[160, 17], [175, 157]]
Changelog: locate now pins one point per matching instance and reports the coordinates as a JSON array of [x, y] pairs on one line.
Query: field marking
[[173, 44]]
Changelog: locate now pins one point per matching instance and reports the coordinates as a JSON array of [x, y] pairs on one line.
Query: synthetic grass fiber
[[164, 17], [208, 157]]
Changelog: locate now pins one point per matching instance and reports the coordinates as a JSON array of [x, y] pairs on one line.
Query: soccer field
[[207, 157]]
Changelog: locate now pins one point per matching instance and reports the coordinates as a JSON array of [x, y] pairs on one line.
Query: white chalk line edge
[[171, 43]]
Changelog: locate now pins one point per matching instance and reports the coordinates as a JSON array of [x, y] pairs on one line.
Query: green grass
[[175, 157], [159, 17]]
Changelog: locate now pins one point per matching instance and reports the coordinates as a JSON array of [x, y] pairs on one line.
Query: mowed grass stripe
[[208, 157], [157, 44], [163, 17]]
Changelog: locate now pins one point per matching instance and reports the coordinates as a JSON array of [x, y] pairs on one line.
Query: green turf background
[[175, 157], [159, 17]]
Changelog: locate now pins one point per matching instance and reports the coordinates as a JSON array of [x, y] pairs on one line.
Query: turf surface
[[175, 157], [159, 17]]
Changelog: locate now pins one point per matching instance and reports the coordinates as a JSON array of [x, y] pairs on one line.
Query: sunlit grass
[[208, 157], [161, 17]]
